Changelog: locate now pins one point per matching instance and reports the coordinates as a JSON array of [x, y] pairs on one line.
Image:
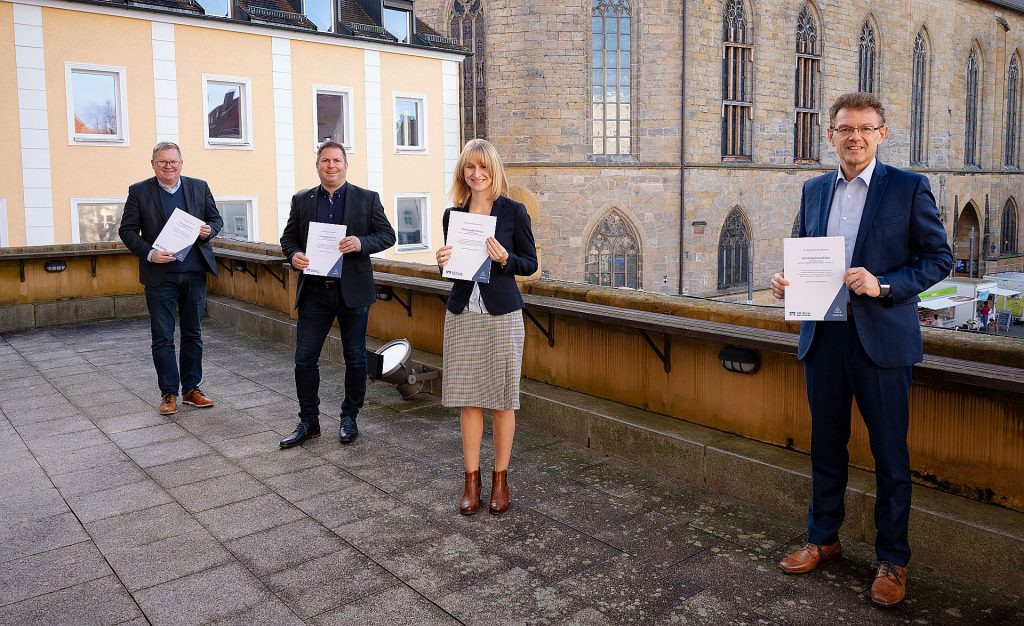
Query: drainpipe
[[682, 159]]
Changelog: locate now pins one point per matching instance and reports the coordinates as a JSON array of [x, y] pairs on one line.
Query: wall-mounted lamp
[[740, 360], [390, 364], [55, 266], [384, 292], [238, 266]]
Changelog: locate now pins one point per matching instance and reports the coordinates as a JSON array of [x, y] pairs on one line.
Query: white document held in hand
[[322, 249], [467, 234], [815, 267], [179, 234]]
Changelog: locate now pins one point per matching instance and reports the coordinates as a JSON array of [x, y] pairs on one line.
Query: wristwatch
[[884, 290]]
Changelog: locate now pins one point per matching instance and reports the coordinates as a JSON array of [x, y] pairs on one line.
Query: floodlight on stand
[[740, 360], [390, 363]]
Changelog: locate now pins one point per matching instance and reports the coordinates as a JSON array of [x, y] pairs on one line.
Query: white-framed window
[[216, 8], [241, 217], [321, 13], [412, 221], [410, 122], [95, 219], [227, 103], [332, 115], [97, 104], [4, 241], [397, 17]]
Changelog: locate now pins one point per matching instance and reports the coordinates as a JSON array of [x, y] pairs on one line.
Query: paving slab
[[101, 602]]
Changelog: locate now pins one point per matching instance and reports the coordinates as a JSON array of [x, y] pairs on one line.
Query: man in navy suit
[[321, 300], [895, 249], [173, 286]]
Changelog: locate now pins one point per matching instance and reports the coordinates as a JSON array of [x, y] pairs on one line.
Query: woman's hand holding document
[[323, 249], [179, 234], [815, 269], [467, 234]]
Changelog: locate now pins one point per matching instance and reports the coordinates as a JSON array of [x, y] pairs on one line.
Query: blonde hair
[[482, 151]]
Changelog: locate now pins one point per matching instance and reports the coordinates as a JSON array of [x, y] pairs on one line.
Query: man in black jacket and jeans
[[321, 300]]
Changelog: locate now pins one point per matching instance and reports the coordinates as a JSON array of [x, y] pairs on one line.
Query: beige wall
[[11, 188]]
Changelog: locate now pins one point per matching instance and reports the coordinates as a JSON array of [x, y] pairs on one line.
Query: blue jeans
[[182, 294], [319, 307]]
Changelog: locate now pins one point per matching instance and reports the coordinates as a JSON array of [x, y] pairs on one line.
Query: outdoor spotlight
[[55, 266], [384, 292], [740, 360], [390, 363], [238, 266]]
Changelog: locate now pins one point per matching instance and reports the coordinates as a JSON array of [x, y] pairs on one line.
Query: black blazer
[[144, 218], [513, 231], [364, 218]]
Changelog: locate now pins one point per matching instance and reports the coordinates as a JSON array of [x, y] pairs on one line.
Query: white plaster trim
[[450, 119], [165, 82], [374, 122], [32, 115], [4, 241], [284, 128]]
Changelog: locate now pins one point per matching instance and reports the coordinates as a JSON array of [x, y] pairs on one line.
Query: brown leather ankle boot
[[499, 492], [471, 497]]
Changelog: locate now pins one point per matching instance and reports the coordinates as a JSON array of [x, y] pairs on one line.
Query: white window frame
[[74, 139], [252, 213], [346, 94], [76, 234], [422, 98], [4, 241], [415, 247], [246, 141], [334, 16]]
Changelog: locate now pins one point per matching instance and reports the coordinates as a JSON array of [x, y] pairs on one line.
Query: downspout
[[682, 159]]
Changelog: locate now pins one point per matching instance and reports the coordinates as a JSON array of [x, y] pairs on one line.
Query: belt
[[324, 283]]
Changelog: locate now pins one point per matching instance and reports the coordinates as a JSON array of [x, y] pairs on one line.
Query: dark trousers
[[183, 295], [319, 307], [837, 369]]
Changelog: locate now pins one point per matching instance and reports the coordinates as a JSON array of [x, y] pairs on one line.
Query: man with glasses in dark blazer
[[321, 300]]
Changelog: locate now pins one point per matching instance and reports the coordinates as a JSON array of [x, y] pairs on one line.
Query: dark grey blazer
[[364, 218], [144, 218]]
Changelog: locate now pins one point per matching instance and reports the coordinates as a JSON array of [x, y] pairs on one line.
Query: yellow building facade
[[94, 87]]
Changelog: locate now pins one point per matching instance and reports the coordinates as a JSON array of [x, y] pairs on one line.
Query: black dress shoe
[[302, 432], [349, 431]]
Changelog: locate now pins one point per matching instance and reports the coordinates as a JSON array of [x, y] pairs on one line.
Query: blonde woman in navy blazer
[[483, 328]]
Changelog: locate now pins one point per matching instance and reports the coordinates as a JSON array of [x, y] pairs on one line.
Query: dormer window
[[321, 13], [398, 19]]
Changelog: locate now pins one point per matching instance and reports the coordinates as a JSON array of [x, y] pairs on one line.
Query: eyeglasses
[[846, 131], [168, 163]]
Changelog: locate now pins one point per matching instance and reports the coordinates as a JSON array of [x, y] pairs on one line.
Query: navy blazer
[[515, 233], [144, 218], [364, 218], [901, 238]]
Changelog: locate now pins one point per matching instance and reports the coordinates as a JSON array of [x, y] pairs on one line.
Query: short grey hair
[[165, 145]]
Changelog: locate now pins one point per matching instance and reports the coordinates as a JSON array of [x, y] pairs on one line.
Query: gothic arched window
[[1008, 231], [613, 254], [734, 251], [971, 124], [808, 69], [918, 102], [867, 79], [612, 49], [737, 83], [1011, 152], [467, 28]]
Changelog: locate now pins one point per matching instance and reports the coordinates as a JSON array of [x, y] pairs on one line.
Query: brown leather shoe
[[807, 558], [471, 496], [169, 404], [196, 398], [499, 492], [890, 586]]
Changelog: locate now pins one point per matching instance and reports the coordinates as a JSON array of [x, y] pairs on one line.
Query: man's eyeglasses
[[168, 163], [846, 131]]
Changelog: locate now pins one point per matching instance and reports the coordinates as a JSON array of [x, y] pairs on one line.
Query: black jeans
[[180, 295], [319, 307]]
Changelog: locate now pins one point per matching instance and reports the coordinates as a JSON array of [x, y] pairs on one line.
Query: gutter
[[682, 158]]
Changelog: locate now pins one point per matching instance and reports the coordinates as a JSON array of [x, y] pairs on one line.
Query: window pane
[[224, 110], [319, 12], [407, 124], [218, 8], [624, 146], [396, 22], [236, 220], [330, 117], [98, 222], [95, 100], [410, 221]]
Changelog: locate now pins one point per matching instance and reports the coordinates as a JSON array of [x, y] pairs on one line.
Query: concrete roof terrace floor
[[112, 514]]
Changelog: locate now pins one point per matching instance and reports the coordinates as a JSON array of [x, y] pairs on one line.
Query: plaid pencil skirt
[[483, 359]]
